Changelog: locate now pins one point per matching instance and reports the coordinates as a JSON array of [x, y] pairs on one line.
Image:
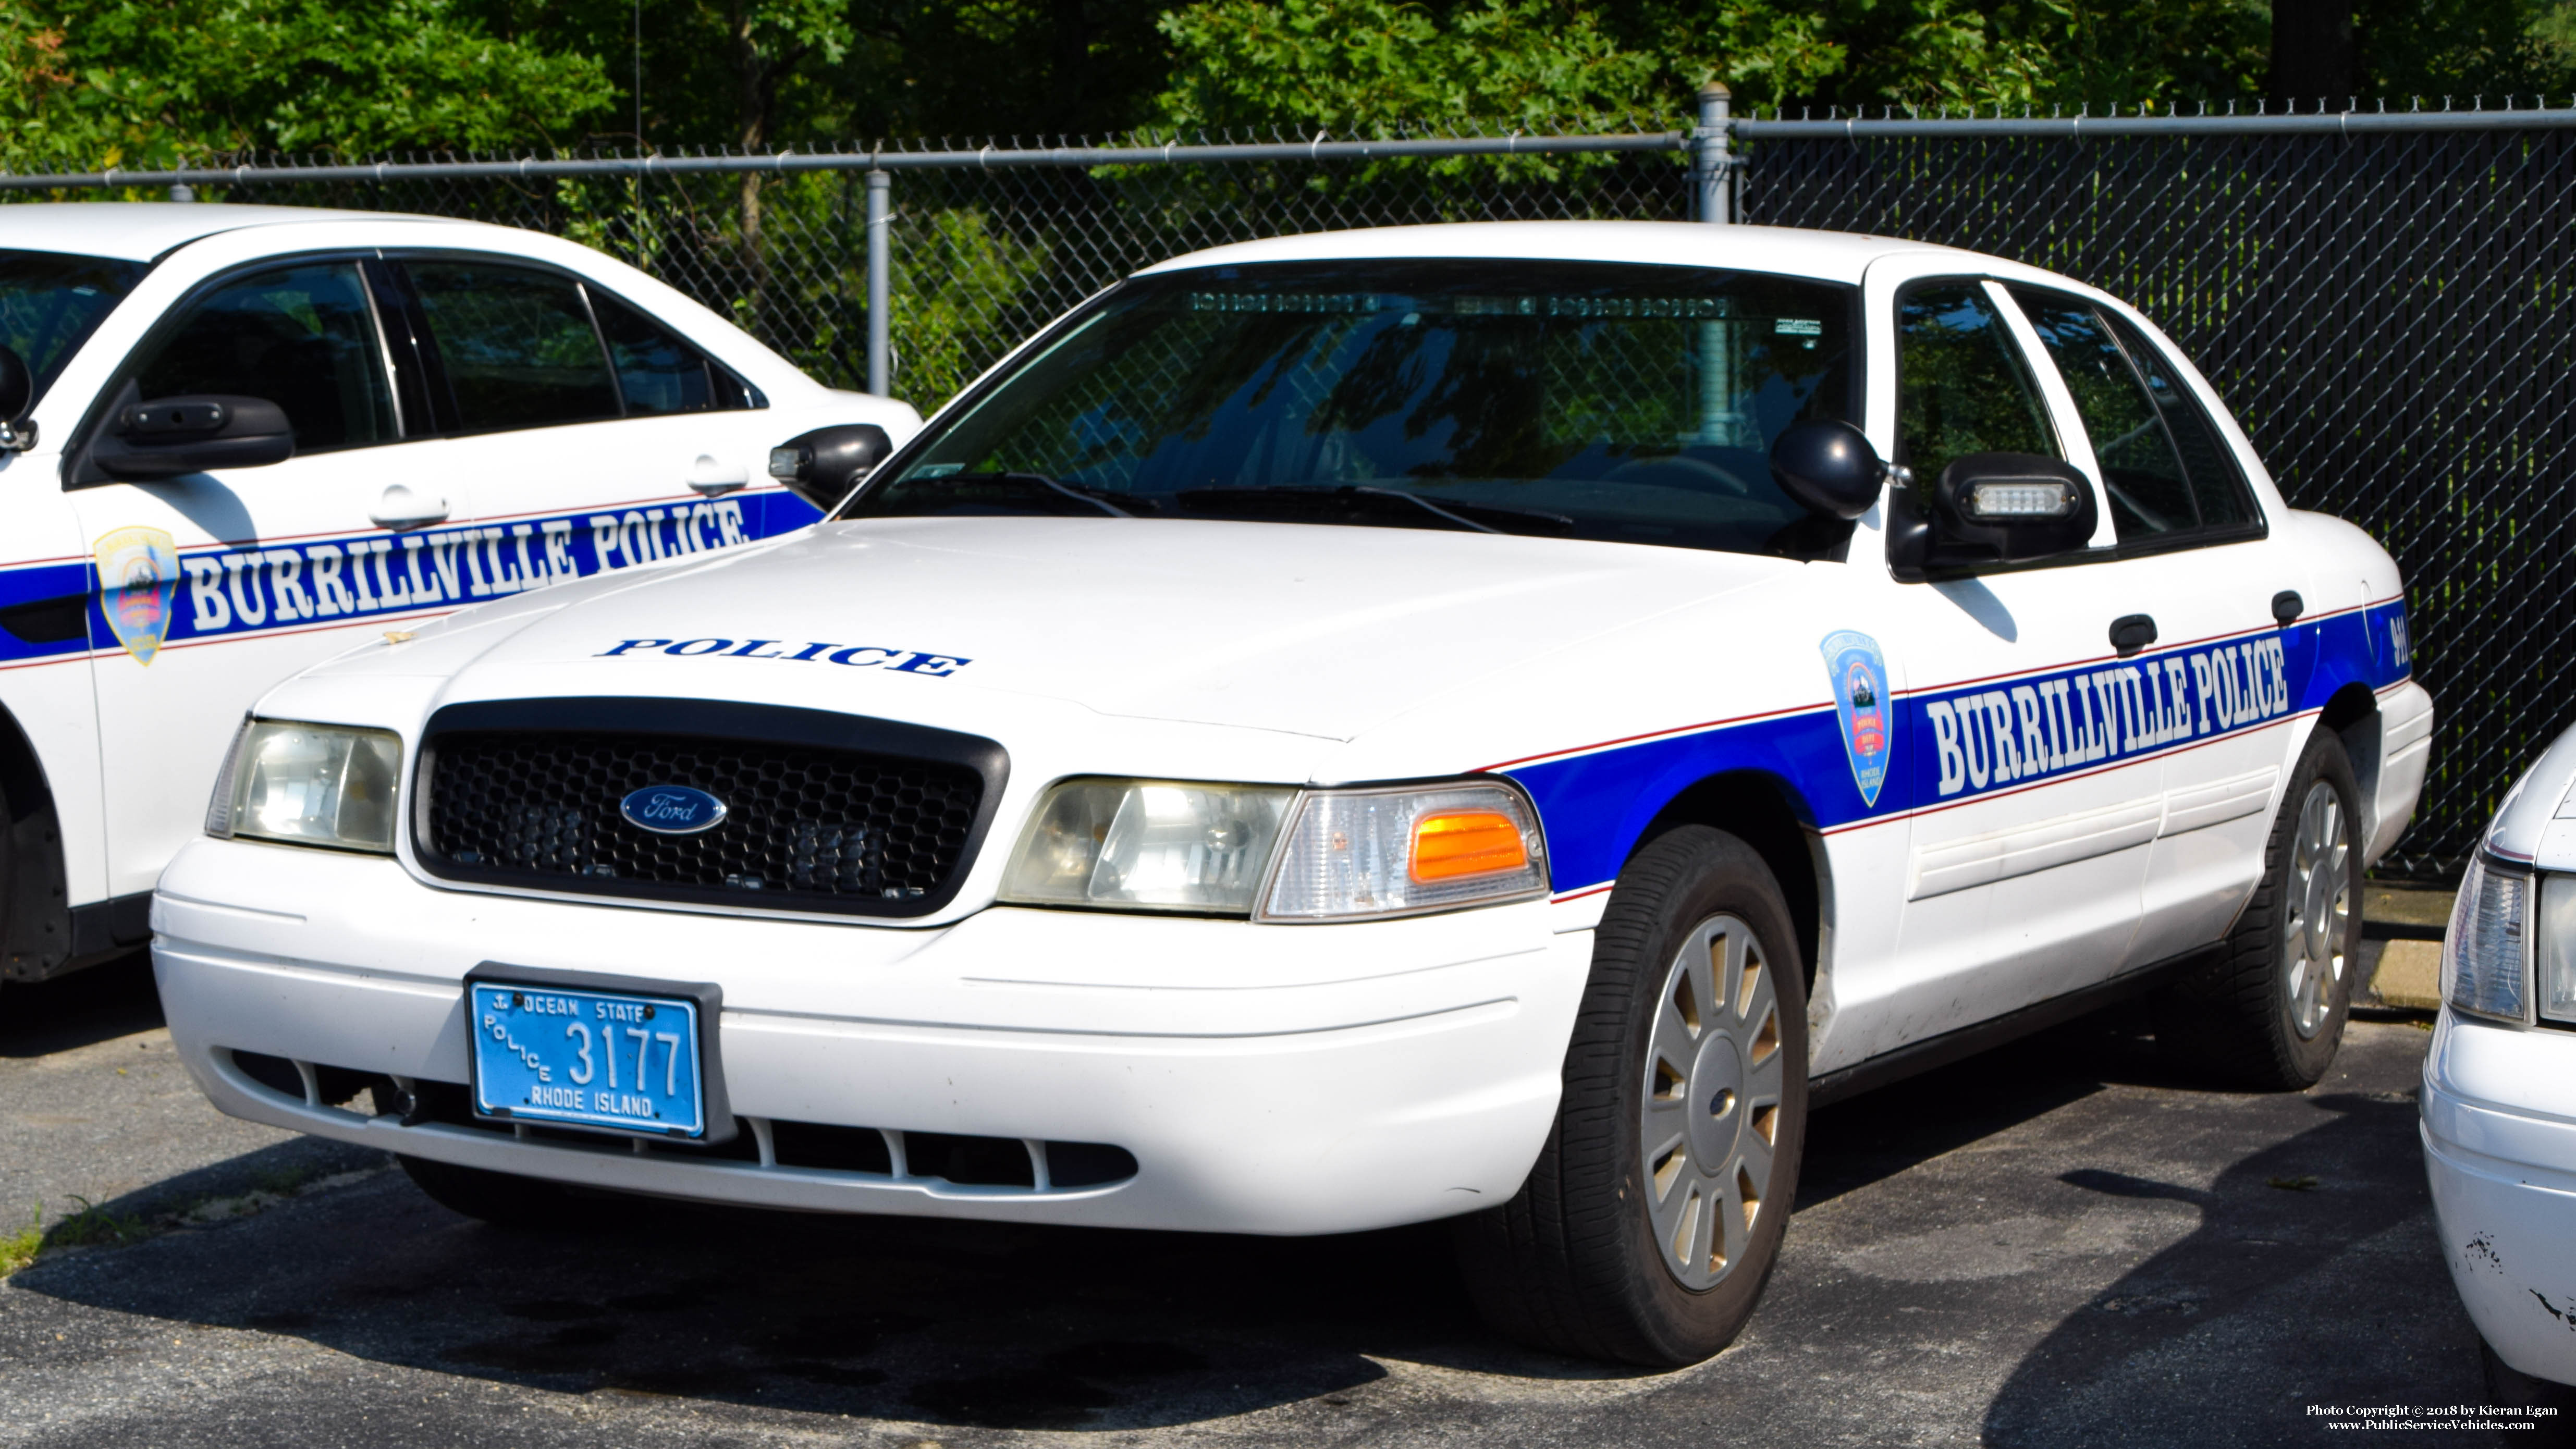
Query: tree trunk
[[751, 110], [2313, 56]]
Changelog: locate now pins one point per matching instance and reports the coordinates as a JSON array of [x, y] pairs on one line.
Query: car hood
[[1313, 630]]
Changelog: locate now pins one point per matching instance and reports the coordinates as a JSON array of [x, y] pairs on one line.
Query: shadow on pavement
[[98, 1004], [1879, 1134], [885, 1318], [2311, 1258]]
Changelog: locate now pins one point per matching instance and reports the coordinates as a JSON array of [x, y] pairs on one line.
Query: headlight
[[2555, 945], [1171, 845], [1357, 853], [309, 785], [1148, 845], [2483, 955]]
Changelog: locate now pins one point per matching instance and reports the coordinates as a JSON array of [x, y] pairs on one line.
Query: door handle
[[2132, 632], [402, 510], [715, 479], [2287, 606]]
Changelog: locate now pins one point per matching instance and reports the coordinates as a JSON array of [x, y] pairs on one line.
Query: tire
[[1652, 1219], [500, 1198], [2267, 1011]]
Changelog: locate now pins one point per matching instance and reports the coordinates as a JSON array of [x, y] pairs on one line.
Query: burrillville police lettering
[[1986, 738], [233, 589], [855, 656]]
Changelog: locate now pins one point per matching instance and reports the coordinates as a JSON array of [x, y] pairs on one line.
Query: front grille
[[807, 826]]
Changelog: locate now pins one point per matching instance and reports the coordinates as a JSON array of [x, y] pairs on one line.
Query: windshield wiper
[[952, 482], [1359, 496]]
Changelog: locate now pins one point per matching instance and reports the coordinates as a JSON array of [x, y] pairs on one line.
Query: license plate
[[621, 1061]]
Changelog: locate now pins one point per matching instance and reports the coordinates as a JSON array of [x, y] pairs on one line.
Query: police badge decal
[[138, 569], [1859, 674]]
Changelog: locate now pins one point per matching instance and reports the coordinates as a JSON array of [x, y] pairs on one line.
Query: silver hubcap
[[1712, 1101], [2320, 907]]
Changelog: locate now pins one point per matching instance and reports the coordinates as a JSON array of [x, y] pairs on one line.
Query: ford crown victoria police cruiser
[[1455, 722], [236, 439], [2499, 1098]]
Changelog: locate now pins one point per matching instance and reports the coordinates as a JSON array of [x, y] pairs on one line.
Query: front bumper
[[1266, 1079], [2499, 1129]]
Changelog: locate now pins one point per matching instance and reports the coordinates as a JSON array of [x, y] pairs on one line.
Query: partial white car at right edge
[[2499, 1097]]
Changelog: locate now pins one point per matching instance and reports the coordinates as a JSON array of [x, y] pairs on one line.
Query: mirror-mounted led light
[[785, 464], [310, 784], [2020, 498], [1354, 854]]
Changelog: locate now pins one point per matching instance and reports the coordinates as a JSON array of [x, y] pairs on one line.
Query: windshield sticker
[[1798, 327], [138, 568], [1859, 674], [854, 656]]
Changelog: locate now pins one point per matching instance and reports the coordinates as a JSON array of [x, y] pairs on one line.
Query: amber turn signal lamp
[[1464, 843]]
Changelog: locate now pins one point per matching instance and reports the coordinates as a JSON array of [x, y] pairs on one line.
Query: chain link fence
[[2382, 300]]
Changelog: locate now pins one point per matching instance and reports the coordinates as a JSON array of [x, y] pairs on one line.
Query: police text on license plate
[[621, 1060]]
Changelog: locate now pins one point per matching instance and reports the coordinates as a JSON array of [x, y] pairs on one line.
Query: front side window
[[301, 336], [1583, 400], [50, 303], [516, 344], [2163, 467], [1961, 385]]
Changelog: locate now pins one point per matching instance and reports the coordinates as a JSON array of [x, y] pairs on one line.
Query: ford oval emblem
[[672, 810]]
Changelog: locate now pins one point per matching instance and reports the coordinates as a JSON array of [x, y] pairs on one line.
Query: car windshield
[[1617, 402], [50, 301]]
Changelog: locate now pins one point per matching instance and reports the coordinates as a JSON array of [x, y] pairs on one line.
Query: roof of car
[[140, 231], [1831, 255]]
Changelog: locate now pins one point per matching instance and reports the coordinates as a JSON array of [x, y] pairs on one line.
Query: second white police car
[[1339, 731], [234, 440]]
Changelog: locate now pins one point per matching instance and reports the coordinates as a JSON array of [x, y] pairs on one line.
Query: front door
[[215, 586], [2033, 827]]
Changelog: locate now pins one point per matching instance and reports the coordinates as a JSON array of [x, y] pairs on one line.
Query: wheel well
[[1764, 813], [35, 920], [2353, 713]]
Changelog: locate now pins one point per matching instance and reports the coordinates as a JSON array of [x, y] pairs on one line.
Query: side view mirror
[[822, 466], [172, 437], [1828, 468], [1993, 508], [17, 389]]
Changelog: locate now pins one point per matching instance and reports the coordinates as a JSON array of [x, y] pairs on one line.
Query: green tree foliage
[[145, 82]]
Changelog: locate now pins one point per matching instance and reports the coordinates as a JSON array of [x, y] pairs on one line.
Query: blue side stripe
[[247, 588], [1971, 740]]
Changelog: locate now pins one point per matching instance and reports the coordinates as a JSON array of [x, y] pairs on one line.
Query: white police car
[[2499, 1098], [234, 440], [1352, 730]]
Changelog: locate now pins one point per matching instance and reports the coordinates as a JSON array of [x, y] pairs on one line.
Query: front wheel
[[2267, 1010], [1648, 1227]]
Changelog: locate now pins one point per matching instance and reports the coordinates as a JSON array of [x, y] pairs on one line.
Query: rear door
[[212, 587], [599, 436]]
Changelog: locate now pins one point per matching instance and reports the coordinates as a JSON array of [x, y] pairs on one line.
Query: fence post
[[1712, 173], [880, 285]]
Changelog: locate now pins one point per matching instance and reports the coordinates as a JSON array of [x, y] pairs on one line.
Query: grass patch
[[19, 1248], [94, 1226]]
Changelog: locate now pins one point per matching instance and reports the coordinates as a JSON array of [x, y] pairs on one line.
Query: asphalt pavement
[[2053, 1244]]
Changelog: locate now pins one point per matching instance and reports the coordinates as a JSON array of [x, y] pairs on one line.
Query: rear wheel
[[2267, 1011], [1651, 1222], [501, 1198]]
